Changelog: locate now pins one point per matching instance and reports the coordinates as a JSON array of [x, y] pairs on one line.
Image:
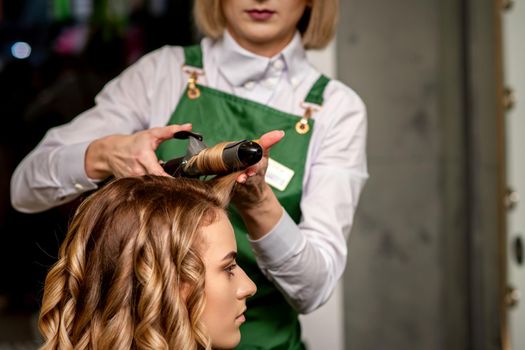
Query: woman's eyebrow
[[230, 256]]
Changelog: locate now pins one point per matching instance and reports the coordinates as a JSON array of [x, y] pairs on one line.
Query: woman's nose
[[246, 286]]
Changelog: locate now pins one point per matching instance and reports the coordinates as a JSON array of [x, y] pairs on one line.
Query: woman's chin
[[230, 343]]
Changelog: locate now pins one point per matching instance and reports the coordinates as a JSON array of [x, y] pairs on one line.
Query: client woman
[[148, 263]]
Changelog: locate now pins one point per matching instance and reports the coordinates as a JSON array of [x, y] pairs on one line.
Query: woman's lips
[[260, 15], [241, 317]]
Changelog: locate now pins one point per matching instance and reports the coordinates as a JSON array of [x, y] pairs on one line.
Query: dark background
[[76, 47]]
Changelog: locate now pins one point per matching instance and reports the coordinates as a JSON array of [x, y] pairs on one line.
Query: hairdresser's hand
[[253, 197], [254, 175], [128, 155]]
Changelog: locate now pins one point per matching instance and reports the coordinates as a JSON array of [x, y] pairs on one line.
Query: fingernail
[[186, 125], [242, 179]]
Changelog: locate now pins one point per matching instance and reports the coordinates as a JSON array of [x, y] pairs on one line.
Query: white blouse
[[304, 261]]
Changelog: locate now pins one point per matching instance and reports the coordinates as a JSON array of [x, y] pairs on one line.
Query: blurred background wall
[[429, 253], [407, 279], [433, 249], [513, 27]]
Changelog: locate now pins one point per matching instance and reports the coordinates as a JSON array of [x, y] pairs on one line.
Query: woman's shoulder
[[171, 55], [167, 54], [342, 107], [159, 64], [338, 93]]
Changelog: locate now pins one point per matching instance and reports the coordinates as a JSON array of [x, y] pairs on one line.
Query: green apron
[[271, 323]]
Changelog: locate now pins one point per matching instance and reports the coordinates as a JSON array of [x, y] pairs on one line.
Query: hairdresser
[[249, 76]]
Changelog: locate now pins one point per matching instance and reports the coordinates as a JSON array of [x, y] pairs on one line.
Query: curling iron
[[221, 159]]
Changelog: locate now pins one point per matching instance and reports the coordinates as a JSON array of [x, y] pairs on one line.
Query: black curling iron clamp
[[236, 156]]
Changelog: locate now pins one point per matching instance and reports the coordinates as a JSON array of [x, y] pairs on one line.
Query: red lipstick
[[260, 15]]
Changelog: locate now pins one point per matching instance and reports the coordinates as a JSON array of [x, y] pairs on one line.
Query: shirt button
[[270, 82], [79, 187], [278, 65], [249, 85]]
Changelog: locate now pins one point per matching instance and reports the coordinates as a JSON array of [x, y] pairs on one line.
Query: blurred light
[[157, 7], [82, 9], [21, 50]]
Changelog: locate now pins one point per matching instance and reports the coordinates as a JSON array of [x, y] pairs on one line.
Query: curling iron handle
[[173, 166]]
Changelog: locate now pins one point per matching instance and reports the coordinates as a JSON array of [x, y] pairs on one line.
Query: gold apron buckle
[[193, 91], [302, 127]]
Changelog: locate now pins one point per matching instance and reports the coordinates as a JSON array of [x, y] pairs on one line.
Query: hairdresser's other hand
[[255, 174], [128, 155], [254, 198]]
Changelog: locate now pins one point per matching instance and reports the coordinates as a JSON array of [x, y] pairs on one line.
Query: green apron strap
[[315, 96], [193, 56]]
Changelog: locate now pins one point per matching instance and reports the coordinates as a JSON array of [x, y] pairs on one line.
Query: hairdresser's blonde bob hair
[[317, 26], [130, 273]]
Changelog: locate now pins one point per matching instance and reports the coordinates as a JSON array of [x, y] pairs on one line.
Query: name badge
[[278, 175]]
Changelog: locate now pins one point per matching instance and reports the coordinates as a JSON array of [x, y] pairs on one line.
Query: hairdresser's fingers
[[164, 133], [242, 178], [269, 139], [158, 135], [151, 165], [266, 141], [134, 155], [259, 168]]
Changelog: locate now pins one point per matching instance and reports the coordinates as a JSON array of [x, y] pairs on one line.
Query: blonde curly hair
[[130, 273]]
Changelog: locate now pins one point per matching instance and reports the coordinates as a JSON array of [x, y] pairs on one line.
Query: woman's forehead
[[218, 238]]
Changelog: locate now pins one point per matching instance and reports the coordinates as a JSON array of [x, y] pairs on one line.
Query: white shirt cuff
[[72, 159]]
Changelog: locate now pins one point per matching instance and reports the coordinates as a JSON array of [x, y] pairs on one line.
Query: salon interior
[[435, 256]]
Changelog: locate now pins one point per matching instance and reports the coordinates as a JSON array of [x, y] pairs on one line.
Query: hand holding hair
[[254, 199], [128, 155], [266, 141]]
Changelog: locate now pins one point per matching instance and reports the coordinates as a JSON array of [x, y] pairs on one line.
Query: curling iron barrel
[[221, 159]]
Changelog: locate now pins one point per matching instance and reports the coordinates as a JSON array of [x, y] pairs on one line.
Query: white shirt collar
[[230, 56]]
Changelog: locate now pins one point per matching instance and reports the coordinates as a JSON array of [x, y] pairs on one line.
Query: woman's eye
[[230, 269]]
